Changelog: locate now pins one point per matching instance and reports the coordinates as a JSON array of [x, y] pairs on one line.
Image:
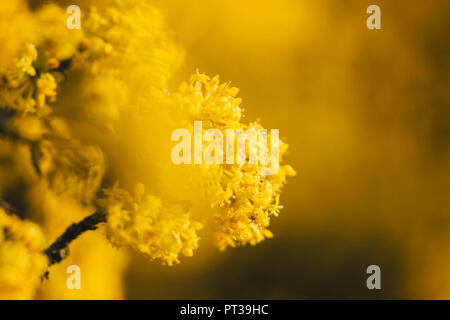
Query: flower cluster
[[241, 198], [21, 262], [144, 223]]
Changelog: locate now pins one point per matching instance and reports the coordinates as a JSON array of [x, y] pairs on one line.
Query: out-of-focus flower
[[17, 91], [21, 262], [102, 266], [24, 63], [59, 42]]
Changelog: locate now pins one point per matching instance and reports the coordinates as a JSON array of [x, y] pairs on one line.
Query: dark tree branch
[[58, 250]]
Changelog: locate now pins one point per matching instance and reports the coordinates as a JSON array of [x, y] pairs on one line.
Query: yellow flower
[[21, 262], [27, 126], [91, 251], [24, 63], [146, 224], [242, 199], [17, 25], [71, 170], [46, 88], [120, 64]]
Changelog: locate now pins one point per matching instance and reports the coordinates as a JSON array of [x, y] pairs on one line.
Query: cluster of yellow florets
[[242, 199], [208, 99], [21, 262], [143, 223], [235, 200], [70, 99]]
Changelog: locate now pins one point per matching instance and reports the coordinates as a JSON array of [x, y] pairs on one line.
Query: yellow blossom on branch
[[117, 128], [144, 223], [25, 62], [46, 88]]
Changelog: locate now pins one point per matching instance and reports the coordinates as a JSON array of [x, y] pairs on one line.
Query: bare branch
[[58, 250]]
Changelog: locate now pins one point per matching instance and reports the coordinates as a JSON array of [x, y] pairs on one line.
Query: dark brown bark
[[58, 250]]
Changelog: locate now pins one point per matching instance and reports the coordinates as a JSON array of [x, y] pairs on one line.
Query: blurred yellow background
[[366, 115]]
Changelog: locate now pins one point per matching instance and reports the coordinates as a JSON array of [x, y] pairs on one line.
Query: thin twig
[[58, 250]]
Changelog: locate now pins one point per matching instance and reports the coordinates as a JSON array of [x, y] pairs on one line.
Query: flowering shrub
[[85, 122]]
